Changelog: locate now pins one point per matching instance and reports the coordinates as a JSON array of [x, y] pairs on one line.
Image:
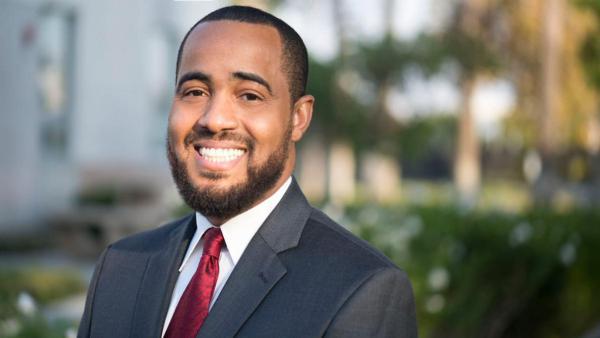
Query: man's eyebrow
[[253, 77], [198, 76]]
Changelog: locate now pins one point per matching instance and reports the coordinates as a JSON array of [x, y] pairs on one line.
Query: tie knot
[[213, 241]]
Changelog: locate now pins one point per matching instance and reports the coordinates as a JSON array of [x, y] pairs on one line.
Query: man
[[255, 254]]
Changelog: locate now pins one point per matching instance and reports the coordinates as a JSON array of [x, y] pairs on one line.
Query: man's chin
[[217, 190], [211, 176], [216, 180]]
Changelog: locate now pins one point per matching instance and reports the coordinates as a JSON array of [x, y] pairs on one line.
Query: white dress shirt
[[237, 232]]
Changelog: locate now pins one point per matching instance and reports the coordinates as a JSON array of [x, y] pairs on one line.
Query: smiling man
[[255, 259]]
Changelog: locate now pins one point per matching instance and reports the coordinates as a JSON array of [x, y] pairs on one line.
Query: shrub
[[21, 287], [491, 274]]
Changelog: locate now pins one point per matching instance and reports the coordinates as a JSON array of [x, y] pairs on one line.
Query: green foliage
[[23, 243], [337, 114], [590, 48], [105, 195], [34, 327], [474, 55], [385, 59], [321, 83], [593, 5], [426, 146], [491, 274], [426, 136], [590, 54], [43, 284], [111, 194], [382, 65]]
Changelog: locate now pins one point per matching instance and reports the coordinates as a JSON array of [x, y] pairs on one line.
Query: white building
[[85, 93]]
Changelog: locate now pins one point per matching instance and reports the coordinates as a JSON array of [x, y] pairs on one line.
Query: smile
[[220, 155]]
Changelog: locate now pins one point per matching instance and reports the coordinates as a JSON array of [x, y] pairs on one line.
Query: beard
[[224, 203]]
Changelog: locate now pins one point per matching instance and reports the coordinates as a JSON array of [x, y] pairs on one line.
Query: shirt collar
[[239, 230]]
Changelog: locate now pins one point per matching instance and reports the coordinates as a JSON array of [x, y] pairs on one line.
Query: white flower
[[520, 234], [568, 253], [26, 304], [414, 225], [438, 278], [71, 333]]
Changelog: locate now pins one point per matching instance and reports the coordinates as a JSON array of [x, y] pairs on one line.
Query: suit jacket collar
[[283, 228], [259, 268]]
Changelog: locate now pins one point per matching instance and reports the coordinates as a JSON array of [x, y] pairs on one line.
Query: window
[[55, 69]]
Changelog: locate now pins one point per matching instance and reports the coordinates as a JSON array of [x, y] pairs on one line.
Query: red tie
[[193, 305]]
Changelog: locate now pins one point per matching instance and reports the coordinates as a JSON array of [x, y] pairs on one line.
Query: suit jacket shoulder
[[379, 302], [315, 279], [132, 281], [343, 242]]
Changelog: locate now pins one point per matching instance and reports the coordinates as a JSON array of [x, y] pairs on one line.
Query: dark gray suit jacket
[[302, 275]]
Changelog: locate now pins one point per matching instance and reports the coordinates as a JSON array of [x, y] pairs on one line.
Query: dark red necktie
[[192, 308]]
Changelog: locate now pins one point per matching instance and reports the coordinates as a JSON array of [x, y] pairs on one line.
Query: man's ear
[[301, 116]]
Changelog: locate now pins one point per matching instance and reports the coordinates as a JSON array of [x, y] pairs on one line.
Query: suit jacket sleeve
[[383, 306], [84, 324]]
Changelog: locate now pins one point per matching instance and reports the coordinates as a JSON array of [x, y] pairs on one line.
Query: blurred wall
[[86, 88], [19, 146]]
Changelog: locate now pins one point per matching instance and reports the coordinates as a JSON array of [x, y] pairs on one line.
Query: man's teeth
[[220, 154]]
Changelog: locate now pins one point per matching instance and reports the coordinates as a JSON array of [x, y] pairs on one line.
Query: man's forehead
[[221, 49], [229, 33]]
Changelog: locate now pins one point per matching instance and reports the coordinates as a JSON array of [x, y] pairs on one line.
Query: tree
[[469, 42], [590, 54], [543, 53]]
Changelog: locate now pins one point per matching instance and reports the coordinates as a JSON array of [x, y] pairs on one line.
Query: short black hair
[[295, 56]]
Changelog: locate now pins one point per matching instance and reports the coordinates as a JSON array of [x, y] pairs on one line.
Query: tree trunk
[[549, 82], [467, 166], [549, 76], [333, 189]]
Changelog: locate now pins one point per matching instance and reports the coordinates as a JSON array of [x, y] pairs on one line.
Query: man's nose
[[218, 115]]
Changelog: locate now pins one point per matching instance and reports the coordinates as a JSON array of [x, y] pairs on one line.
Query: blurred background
[[461, 137]]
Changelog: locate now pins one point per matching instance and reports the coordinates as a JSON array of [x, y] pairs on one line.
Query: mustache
[[206, 135]]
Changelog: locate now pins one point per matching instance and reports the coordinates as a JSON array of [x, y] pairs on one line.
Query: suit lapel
[[254, 275], [259, 269], [159, 279]]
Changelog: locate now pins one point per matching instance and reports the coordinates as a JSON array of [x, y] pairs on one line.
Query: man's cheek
[[181, 116]]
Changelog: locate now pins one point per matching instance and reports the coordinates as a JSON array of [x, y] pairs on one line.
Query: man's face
[[232, 123]]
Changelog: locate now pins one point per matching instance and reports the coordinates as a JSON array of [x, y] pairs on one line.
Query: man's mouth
[[220, 155]]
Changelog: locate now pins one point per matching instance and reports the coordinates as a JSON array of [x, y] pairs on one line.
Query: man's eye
[[195, 92], [250, 97]]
